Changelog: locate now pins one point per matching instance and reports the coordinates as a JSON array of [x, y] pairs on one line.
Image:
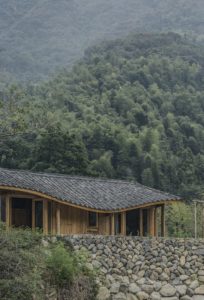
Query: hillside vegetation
[[32, 268], [36, 37], [131, 109]]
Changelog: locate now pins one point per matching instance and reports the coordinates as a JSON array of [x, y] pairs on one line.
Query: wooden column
[[123, 223], [112, 224], [151, 221], [155, 222], [58, 219], [45, 216], [163, 220], [141, 222], [8, 211]]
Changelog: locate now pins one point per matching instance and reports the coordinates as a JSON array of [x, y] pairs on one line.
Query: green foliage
[[132, 109], [180, 220], [62, 264]]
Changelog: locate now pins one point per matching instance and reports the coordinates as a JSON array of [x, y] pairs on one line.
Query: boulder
[[194, 284], [142, 296], [200, 290], [168, 290], [147, 288], [181, 289], [155, 296], [119, 296], [103, 294], [115, 288], [133, 288], [131, 297]]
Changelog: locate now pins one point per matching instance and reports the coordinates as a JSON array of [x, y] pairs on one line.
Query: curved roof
[[87, 192]]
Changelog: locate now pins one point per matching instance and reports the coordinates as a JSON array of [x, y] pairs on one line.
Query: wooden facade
[[53, 217]]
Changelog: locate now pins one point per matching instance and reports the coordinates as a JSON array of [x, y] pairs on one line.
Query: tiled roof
[[95, 193]]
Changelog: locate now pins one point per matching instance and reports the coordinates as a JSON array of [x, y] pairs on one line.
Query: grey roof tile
[[95, 193]]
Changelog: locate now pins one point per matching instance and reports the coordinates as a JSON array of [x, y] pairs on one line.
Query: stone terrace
[[132, 268]]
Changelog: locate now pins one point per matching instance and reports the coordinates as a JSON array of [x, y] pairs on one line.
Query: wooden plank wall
[[68, 220], [72, 220], [104, 224], [75, 221]]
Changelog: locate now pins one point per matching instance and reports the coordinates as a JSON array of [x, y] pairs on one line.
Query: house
[[63, 204]]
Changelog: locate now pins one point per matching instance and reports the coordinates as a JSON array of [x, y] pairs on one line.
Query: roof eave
[[69, 203]]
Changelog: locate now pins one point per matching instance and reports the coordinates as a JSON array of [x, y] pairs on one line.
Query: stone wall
[[136, 268]]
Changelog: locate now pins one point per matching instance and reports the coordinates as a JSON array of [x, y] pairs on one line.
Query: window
[[92, 219]]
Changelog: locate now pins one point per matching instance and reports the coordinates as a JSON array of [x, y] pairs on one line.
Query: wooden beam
[[112, 224], [163, 220], [58, 219], [141, 222], [8, 211], [45, 216], [123, 223]]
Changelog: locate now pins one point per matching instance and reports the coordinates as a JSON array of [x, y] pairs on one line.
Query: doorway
[[133, 222]]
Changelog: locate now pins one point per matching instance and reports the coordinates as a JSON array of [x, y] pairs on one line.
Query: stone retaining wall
[[136, 268]]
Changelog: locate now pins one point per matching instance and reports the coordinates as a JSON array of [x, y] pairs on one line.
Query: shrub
[[62, 265]]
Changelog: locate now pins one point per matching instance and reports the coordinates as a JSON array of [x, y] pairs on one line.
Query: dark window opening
[[118, 224], [2, 209], [133, 222], [21, 212], [145, 222], [39, 214], [92, 219]]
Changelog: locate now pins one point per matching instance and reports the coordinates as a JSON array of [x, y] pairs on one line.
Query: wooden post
[[112, 224], [8, 211], [141, 222], [151, 221], [123, 223], [54, 226], [163, 220], [195, 219], [45, 216], [58, 219], [155, 222]]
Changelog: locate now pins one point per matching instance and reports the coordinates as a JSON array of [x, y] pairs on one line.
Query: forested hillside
[[132, 108], [38, 36]]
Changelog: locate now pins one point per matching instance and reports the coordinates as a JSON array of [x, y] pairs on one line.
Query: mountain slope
[[36, 37], [132, 108]]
